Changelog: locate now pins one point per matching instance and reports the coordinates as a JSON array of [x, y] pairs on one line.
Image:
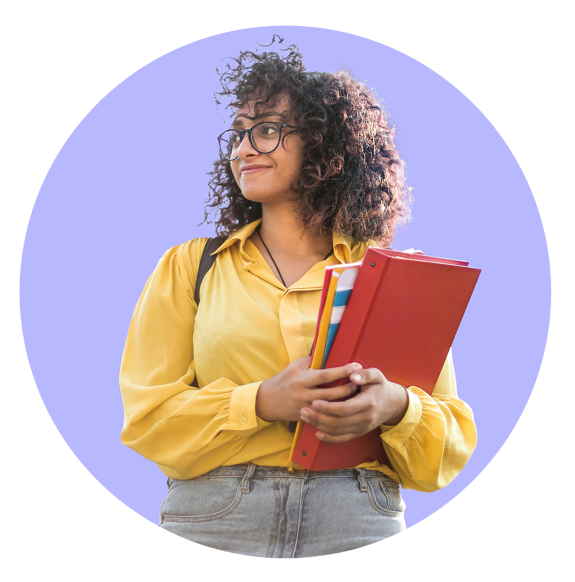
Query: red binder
[[402, 316]]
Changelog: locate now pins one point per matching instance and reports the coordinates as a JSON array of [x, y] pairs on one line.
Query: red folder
[[402, 316]]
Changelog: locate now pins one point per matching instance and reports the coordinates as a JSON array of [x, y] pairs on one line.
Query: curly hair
[[352, 179]]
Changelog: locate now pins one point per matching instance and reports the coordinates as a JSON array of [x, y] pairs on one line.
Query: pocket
[[384, 495], [201, 499]]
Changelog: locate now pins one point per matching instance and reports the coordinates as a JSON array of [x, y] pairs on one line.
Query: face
[[267, 178]]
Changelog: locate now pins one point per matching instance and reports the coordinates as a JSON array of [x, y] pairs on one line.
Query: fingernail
[[320, 435], [315, 404], [355, 377], [357, 366], [304, 417]]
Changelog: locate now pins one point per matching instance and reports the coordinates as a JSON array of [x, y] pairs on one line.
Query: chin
[[258, 195]]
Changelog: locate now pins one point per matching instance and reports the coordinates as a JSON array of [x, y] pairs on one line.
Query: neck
[[284, 234]]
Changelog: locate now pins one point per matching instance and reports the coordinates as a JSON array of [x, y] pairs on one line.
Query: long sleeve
[[435, 438], [185, 430], [248, 329]]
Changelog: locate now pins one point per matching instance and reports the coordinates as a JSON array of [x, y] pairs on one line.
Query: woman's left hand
[[379, 402]]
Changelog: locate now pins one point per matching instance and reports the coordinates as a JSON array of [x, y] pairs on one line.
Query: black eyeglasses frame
[[242, 133]]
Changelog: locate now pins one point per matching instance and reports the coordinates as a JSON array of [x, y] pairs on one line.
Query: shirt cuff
[[242, 413], [397, 435]]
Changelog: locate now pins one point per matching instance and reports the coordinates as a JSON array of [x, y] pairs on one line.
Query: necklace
[[258, 231]]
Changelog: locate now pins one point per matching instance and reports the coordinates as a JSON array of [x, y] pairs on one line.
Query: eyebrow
[[238, 121]]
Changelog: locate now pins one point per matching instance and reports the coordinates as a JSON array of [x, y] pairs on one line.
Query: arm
[[428, 439], [165, 418], [187, 430], [436, 437]]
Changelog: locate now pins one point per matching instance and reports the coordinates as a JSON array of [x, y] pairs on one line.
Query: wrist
[[396, 404], [265, 400]]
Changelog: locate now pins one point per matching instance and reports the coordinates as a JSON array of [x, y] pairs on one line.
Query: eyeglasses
[[264, 136]]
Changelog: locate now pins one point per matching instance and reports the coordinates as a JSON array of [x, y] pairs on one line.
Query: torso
[[291, 270]]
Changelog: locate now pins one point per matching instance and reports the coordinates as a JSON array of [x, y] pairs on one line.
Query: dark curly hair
[[352, 180]]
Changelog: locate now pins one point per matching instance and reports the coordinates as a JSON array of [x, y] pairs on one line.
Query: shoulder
[[183, 261]]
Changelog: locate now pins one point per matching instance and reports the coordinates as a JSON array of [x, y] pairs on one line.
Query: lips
[[247, 170]]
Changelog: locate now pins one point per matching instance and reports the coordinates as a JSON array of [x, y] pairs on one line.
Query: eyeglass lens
[[265, 138]]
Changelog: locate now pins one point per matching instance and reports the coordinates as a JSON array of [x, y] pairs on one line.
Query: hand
[[379, 402], [283, 396]]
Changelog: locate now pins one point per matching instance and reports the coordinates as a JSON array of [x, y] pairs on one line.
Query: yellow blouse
[[248, 328]]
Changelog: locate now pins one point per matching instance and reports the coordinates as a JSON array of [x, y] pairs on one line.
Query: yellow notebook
[[324, 323], [319, 348]]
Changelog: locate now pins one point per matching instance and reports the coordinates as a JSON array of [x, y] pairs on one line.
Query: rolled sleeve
[[435, 438], [396, 436], [242, 412]]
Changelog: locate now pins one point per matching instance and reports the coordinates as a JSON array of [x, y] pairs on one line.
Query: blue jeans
[[272, 513]]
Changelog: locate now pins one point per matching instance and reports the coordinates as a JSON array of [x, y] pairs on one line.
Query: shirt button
[[394, 434], [243, 420]]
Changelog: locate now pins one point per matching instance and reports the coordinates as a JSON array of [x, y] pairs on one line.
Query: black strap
[[206, 262]]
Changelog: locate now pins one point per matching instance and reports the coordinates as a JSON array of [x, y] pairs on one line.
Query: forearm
[[173, 425], [267, 401], [432, 443], [283, 396], [395, 404]]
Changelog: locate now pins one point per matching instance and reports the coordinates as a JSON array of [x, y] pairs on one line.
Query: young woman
[[309, 176]]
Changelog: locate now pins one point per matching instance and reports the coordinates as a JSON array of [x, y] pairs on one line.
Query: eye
[[267, 129]]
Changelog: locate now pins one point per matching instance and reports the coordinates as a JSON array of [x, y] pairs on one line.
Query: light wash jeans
[[272, 513]]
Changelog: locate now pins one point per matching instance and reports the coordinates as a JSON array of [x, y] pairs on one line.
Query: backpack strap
[[206, 262]]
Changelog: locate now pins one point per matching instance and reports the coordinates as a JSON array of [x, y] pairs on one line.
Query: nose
[[246, 148]]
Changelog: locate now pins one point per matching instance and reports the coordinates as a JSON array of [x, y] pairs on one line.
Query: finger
[[356, 430], [367, 376], [335, 438], [328, 375], [303, 363], [336, 425], [359, 403], [329, 394], [357, 425]]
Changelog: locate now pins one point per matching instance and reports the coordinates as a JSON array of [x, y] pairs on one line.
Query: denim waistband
[[260, 471], [257, 471]]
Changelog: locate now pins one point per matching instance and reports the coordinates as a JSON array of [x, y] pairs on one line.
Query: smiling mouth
[[249, 171]]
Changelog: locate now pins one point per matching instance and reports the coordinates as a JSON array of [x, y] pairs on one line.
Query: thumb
[[304, 363]]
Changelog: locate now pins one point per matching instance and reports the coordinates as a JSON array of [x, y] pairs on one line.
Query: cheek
[[294, 155], [235, 171], [294, 164]]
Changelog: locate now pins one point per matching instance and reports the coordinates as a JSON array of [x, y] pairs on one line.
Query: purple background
[[130, 183]]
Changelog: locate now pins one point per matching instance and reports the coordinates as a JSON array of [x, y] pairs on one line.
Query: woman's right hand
[[285, 394]]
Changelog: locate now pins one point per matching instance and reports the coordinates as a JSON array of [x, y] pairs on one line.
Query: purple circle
[[131, 182]]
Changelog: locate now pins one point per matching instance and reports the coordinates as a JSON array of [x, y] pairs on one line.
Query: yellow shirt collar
[[345, 249]]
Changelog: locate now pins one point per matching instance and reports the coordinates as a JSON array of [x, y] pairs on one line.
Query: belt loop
[[361, 479], [246, 480]]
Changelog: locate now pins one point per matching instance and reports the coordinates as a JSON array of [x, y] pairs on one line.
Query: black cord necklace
[[258, 231]]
